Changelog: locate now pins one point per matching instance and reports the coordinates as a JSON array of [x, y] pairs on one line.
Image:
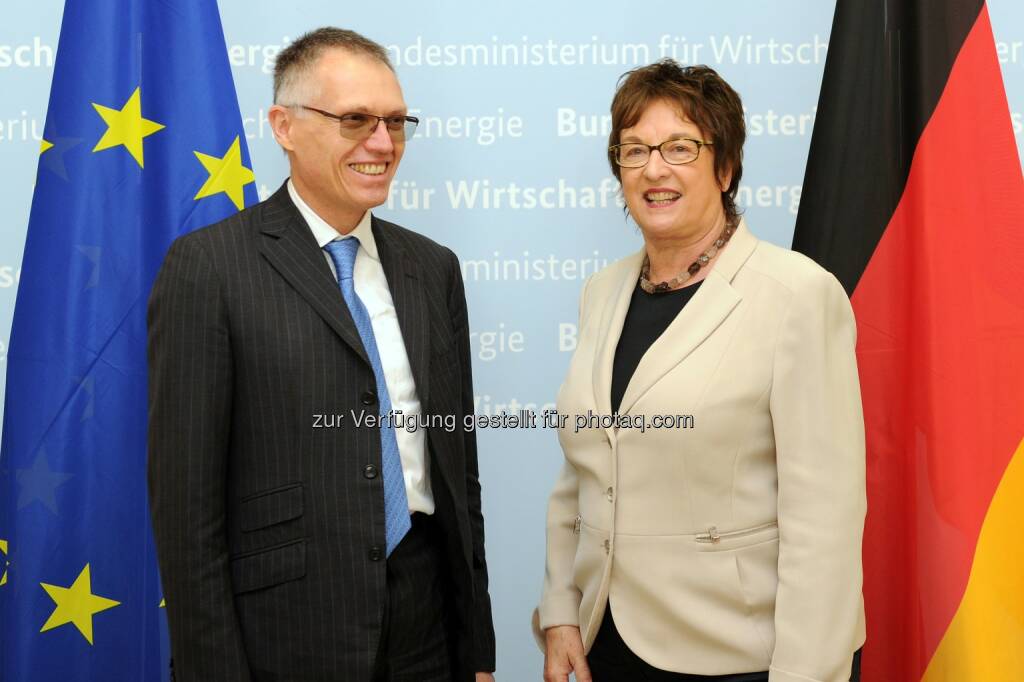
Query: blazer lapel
[[407, 293], [708, 308], [610, 329], [290, 248], [412, 307]]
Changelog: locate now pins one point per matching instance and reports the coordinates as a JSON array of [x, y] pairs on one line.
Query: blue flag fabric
[[143, 142]]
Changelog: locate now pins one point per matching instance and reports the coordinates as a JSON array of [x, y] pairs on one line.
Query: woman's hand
[[563, 654]]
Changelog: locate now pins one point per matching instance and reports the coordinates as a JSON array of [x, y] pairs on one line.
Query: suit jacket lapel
[[289, 246], [407, 293], [610, 330], [708, 308]]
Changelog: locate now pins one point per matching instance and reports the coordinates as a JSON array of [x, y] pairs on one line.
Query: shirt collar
[[325, 234]]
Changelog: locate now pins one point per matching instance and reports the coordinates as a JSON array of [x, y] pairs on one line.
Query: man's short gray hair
[[293, 62]]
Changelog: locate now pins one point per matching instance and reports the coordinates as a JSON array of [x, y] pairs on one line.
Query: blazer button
[[610, 494], [369, 398], [375, 553], [370, 471]]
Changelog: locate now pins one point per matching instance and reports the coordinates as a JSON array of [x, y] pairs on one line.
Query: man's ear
[[281, 120]]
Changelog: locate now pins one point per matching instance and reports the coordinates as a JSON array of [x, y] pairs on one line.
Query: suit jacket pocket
[[269, 507], [729, 540], [268, 567]]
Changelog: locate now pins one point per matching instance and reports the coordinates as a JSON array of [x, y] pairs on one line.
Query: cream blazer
[[733, 545]]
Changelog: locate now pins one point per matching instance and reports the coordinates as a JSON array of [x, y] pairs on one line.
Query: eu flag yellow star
[[125, 126], [3, 548], [227, 175], [45, 145], [76, 604]]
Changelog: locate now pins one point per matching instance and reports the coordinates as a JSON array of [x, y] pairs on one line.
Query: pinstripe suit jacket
[[269, 531]]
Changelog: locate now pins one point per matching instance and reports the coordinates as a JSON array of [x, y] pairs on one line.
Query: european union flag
[[143, 142]]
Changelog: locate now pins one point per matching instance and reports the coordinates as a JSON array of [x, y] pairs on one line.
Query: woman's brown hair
[[703, 97]]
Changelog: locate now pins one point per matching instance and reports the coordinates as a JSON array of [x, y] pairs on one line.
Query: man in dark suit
[[296, 540]]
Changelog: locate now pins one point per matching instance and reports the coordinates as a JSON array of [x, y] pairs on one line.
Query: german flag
[[914, 198]]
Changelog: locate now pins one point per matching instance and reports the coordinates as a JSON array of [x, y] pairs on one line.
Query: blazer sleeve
[[560, 599], [482, 628], [819, 438], [190, 384]]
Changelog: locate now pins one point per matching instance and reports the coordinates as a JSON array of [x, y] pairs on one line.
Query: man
[[298, 541]]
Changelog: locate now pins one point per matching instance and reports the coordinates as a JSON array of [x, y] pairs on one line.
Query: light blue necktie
[[396, 503]]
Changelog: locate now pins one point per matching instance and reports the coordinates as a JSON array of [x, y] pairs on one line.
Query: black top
[[648, 317]]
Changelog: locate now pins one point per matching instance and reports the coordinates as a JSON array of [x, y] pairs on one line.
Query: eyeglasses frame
[[612, 150], [339, 117]]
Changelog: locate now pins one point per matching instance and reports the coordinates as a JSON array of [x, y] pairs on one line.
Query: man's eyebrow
[[363, 109]]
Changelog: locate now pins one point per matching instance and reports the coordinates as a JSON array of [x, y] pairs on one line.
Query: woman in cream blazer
[[729, 546]]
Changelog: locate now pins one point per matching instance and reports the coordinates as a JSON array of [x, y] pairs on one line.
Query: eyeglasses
[[359, 126], [676, 151]]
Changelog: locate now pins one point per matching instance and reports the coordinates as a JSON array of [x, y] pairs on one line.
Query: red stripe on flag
[[940, 315]]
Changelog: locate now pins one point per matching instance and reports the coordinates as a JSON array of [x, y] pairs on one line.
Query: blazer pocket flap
[[720, 541], [271, 506], [268, 567]]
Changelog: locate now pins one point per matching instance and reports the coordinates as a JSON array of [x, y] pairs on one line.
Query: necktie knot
[[343, 253]]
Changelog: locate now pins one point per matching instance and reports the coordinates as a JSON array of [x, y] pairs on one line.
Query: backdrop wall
[[508, 168]]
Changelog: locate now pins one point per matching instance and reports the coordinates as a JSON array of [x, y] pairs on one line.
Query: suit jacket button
[[369, 398], [375, 553], [370, 471]]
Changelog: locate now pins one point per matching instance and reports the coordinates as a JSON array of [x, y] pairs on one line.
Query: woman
[[724, 548]]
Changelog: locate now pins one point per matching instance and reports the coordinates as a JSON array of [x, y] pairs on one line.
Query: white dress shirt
[[371, 286]]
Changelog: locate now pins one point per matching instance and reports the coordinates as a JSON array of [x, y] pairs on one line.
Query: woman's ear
[[724, 180]]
